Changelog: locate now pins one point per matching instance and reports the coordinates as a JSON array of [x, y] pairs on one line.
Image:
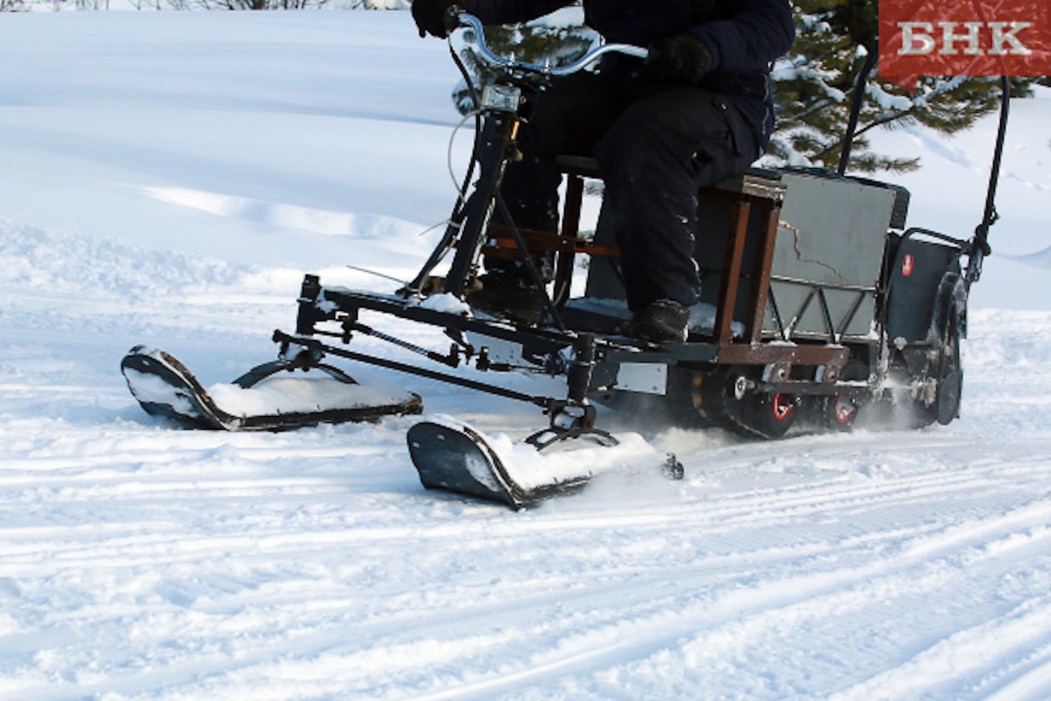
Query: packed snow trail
[[138, 561]]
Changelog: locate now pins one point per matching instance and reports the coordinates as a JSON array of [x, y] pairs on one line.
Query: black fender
[[921, 275]]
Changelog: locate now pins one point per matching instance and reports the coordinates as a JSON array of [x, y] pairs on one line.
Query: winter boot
[[507, 296], [663, 321]]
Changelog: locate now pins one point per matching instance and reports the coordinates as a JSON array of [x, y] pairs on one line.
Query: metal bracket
[[568, 421]]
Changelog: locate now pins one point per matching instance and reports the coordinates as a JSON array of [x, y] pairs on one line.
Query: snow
[[151, 389], [301, 394], [167, 179], [445, 303]]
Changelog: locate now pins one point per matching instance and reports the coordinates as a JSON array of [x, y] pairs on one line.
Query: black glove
[[681, 59], [430, 16]]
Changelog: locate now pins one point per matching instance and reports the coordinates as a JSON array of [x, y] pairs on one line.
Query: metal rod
[[540, 401], [496, 139], [855, 109], [450, 360], [981, 233], [530, 266]]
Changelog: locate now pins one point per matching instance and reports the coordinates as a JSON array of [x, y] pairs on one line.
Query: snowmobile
[[818, 302]]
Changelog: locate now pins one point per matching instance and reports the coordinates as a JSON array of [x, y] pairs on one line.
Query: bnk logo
[[969, 38], [964, 37]]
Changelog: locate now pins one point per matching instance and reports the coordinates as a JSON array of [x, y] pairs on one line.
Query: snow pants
[[655, 144]]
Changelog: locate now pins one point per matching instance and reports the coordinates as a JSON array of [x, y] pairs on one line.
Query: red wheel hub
[[781, 407]]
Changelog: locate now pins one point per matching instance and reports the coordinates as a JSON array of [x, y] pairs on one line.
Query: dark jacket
[[743, 36]]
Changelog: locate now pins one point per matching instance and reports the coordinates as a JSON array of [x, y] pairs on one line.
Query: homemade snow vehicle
[[818, 303]]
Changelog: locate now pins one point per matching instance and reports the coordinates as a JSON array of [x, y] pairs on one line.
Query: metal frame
[[589, 361]]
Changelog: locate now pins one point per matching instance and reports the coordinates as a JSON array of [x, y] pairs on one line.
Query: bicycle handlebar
[[464, 19]]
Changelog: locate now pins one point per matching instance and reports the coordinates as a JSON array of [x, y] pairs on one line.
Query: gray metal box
[[827, 258]]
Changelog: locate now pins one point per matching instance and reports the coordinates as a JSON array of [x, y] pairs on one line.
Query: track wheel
[[768, 415], [840, 412], [947, 374], [950, 376]]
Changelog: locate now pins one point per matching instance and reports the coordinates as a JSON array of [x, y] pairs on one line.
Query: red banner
[[963, 38]]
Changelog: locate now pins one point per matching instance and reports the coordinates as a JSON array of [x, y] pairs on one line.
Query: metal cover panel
[[832, 235]]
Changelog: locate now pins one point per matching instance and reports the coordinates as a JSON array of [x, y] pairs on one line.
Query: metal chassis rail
[[592, 367]]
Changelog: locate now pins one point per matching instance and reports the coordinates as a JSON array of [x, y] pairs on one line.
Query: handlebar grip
[[451, 18]]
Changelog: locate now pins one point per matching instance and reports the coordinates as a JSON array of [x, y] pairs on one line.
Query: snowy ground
[[167, 178]]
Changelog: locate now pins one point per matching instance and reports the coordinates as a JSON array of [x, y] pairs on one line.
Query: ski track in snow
[[141, 562]]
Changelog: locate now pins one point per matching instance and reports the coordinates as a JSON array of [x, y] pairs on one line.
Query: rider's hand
[[430, 16], [681, 59]]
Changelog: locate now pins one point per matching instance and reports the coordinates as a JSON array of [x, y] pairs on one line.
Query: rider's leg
[[660, 150], [569, 118]]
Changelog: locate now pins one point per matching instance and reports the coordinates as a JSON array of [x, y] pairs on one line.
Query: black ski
[[165, 387], [457, 458]]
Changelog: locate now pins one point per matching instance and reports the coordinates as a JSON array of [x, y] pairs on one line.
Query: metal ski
[[453, 456], [166, 388]]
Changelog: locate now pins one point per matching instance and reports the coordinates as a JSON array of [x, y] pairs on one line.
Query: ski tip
[[166, 389], [451, 456]]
